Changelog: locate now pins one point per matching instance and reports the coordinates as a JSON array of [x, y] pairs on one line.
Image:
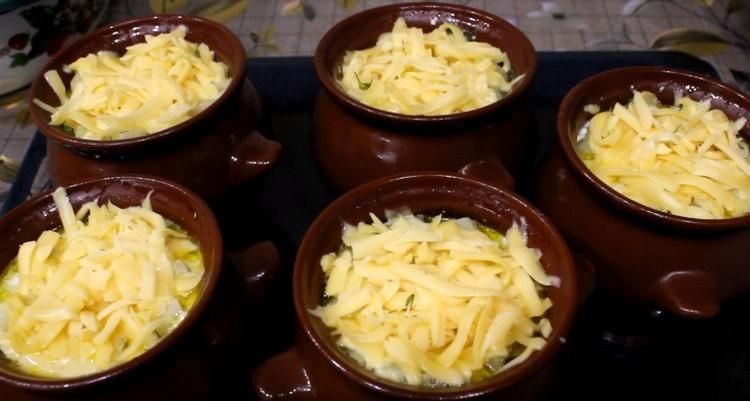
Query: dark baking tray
[[613, 351]]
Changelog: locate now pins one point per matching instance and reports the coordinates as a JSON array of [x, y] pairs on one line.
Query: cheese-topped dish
[[99, 292], [155, 85], [437, 73], [685, 159], [435, 302]]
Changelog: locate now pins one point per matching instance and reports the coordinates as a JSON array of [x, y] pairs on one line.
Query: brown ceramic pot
[[316, 368], [355, 143], [210, 153], [642, 255], [176, 203]]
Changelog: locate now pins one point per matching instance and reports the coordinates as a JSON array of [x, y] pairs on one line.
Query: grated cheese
[[155, 85], [99, 293], [434, 303], [686, 159], [437, 73]]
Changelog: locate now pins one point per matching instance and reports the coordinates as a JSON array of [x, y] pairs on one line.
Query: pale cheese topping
[[155, 85], [685, 159], [100, 292], [438, 73], [436, 302]]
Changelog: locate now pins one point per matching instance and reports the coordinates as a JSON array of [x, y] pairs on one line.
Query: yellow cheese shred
[[685, 159], [436, 302], [99, 292], [155, 85], [437, 73]]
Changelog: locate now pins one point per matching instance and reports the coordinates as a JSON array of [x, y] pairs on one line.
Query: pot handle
[[586, 277], [258, 266], [689, 293], [491, 171], [252, 155], [283, 377]]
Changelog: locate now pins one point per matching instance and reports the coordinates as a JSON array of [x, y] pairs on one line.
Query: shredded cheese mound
[[438, 73], [685, 159], [155, 85], [98, 293], [438, 302]]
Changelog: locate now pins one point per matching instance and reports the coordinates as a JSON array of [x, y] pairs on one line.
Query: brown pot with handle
[[315, 368], [641, 255], [173, 201], [355, 143], [210, 153]]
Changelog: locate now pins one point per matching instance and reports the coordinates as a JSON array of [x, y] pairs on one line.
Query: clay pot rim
[[533, 364], [566, 113], [461, 12], [211, 279], [220, 32]]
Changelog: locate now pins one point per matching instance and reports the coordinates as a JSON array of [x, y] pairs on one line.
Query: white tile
[[651, 25], [478, 4], [7, 124], [16, 149], [547, 25], [568, 41], [287, 25], [541, 41], [613, 7], [600, 42], [42, 178], [500, 7], [319, 24], [709, 26], [686, 22], [323, 7], [254, 25], [288, 45], [619, 24], [650, 9], [308, 44], [24, 133], [376, 3], [262, 8], [597, 24], [524, 7], [639, 41], [341, 12], [590, 7], [235, 24], [685, 8], [656, 9]]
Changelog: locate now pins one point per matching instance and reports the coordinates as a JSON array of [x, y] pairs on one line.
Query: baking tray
[[613, 351]]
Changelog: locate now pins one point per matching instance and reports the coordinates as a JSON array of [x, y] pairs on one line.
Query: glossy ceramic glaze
[[176, 203], [355, 143], [210, 153], [642, 255], [327, 370]]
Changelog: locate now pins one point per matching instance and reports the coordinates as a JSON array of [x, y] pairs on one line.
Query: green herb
[[68, 129], [448, 31], [409, 301], [362, 85], [494, 235]]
